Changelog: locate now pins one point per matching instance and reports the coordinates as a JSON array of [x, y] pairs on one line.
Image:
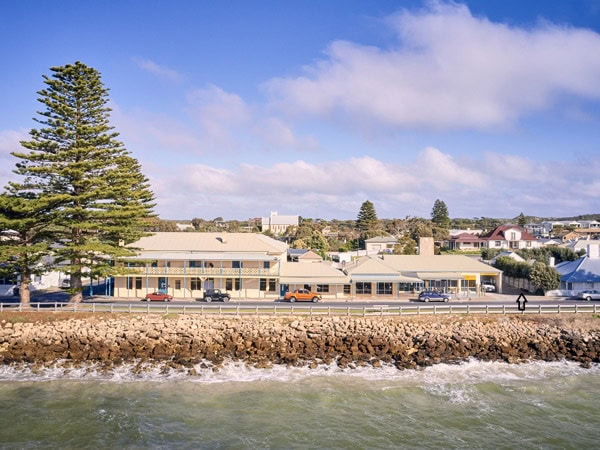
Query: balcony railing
[[204, 271]]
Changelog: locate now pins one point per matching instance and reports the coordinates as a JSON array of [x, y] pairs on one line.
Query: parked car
[[433, 296], [488, 287], [590, 294], [215, 294], [157, 297], [302, 295]]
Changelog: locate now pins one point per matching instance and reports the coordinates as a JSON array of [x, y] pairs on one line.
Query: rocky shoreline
[[186, 341]]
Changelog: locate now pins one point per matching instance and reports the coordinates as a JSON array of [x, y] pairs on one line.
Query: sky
[[237, 108]]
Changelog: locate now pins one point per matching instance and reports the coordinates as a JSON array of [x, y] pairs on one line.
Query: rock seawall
[[185, 341]]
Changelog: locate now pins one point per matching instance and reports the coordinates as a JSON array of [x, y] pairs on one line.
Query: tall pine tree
[[75, 162], [367, 222], [439, 214]]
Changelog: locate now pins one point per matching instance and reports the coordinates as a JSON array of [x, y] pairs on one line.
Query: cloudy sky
[[237, 108]]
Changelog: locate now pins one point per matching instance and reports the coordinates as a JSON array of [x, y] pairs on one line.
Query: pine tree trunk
[[24, 292], [76, 289]]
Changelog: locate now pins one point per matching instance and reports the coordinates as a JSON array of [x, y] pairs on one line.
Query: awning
[[398, 278], [440, 275], [309, 280]]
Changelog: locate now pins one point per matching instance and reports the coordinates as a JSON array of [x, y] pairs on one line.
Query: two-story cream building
[[186, 264]]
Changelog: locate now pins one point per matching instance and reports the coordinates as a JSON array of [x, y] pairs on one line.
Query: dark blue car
[[433, 296]]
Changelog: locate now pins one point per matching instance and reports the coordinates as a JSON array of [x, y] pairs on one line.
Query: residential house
[[581, 274], [380, 244], [466, 242], [510, 237]]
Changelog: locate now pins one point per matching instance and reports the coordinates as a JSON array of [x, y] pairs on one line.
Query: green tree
[[439, 215], [24, 239], [544, 276], [521, 220], [367, 223], [100, 195]]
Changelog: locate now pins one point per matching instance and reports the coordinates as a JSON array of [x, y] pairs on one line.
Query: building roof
[[382, 240], [498, 233], [314, 272], [373, 269], [438, 263], [310, 256], [584, 269], [466, 237], [240, 243]]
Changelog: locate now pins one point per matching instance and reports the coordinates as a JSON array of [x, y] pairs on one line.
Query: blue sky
[[239, 108]]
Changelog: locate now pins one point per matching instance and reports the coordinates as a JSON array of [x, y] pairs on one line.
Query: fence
[[302, 310]]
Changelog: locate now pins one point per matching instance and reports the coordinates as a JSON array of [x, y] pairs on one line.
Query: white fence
[[302, 310]]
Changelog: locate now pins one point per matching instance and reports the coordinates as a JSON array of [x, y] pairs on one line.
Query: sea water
[[475, 405]]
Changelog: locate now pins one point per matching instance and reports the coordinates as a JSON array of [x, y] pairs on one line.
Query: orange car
[[302, 294]]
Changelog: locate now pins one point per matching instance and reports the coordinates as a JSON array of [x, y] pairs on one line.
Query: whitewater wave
[[433, 378]]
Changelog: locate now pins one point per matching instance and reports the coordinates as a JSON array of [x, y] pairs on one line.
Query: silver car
[[590, 294]]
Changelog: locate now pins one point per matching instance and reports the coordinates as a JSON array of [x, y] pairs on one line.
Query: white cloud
[[449, 69], [484, 186], [158, 70]]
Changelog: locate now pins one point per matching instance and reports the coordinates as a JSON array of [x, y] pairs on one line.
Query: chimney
[[426, 246]]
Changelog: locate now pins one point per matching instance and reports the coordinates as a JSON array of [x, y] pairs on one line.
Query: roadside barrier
[[301, 310]]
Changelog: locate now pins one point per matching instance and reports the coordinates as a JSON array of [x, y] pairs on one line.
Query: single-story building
[[581, 274]]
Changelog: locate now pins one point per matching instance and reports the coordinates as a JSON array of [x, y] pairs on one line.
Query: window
[[138, 283], [528, 243], [347, 289], [7, 280], [129, 283], [233, 284], [267, 284], [177, 284], [236, 264], [195, 263], [384, 288], [266, 265], [196, 284], [322, 288], [498, 244], [363, 288]]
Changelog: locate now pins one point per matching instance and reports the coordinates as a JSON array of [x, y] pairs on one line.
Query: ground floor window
[[323, 288], [8, 280], [268, 284], [363, 288], [233, 284], [384, 288], [178, 284], [347, 289], [195, 284]]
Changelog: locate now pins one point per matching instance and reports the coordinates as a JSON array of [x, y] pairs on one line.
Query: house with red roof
[[511, 237]]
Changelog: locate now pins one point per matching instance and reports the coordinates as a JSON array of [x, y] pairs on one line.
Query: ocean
[[475, 405]]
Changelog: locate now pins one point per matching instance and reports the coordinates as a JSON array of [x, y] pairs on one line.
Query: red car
[[157, 297]]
